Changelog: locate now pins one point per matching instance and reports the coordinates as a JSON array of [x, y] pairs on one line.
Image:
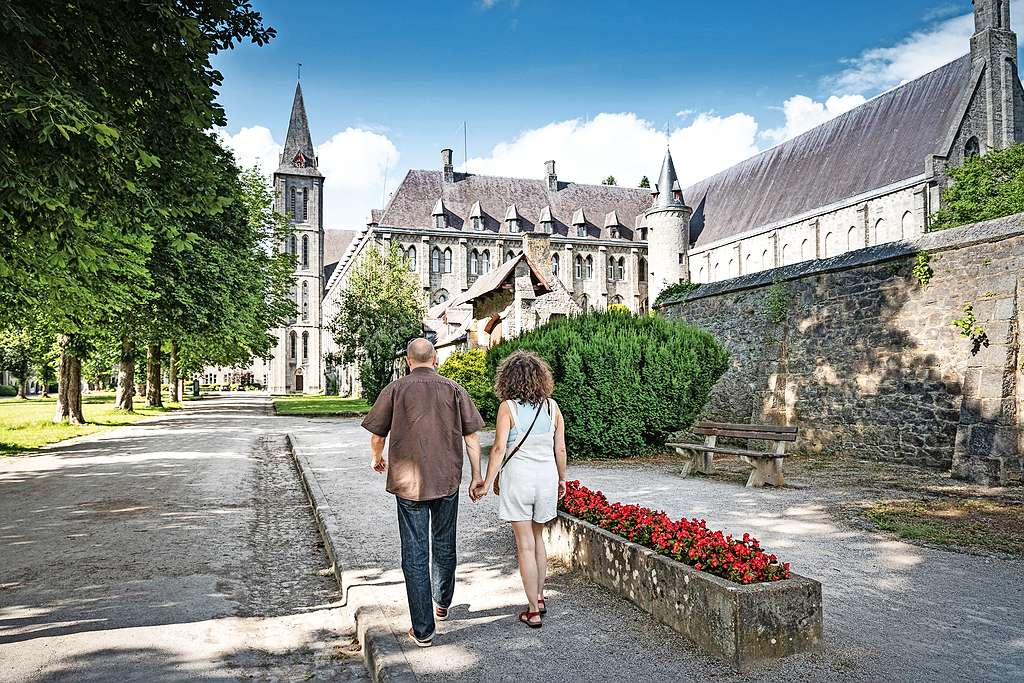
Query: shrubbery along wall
[[861, 351]]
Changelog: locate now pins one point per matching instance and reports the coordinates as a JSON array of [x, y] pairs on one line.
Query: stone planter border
[[745, 625]]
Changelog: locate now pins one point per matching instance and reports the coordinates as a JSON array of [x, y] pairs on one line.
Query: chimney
[[537, 247], [446, 166], [549, 172]]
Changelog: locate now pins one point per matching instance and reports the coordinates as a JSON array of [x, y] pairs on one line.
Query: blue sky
[[590, 84]]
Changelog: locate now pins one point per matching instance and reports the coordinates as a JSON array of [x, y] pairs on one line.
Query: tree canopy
[[983, 188]]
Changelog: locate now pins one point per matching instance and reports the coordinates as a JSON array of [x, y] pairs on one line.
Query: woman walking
[[526, 467]]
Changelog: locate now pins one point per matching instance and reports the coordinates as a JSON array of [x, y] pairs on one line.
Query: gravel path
[[893, 611], [181, 548]]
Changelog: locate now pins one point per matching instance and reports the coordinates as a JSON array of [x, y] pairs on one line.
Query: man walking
[[428, 418]]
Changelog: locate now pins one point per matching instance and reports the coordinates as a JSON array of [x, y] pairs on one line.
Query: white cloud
[[353, 161], [623, 145], [803, 113]]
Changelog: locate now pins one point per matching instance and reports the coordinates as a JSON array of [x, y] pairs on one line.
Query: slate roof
[[298, 140], [335, 245], [413, 201], [881, 142], [485, 284]]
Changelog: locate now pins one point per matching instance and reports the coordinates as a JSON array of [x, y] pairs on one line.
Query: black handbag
[[508, 456]]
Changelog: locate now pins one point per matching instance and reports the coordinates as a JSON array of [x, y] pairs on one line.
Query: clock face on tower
[[299, 161]]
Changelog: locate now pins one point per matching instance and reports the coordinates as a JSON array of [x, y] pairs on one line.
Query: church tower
[[298, 185], [996, 117], [668, 231]]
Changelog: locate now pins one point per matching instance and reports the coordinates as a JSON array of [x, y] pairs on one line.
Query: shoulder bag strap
[[508, 456]]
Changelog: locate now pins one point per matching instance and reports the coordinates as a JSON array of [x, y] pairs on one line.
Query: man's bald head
[[420, 352]]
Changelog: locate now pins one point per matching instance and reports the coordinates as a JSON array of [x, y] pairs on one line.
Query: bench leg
[[765, 471], [704, 462]]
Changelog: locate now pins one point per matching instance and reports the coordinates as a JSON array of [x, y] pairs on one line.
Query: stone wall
[[865, 359]]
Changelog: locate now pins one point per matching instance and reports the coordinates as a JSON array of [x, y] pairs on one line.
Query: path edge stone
[[383, 654]]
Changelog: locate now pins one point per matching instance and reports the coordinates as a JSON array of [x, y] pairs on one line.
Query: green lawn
[[320, 406], [27, 424]]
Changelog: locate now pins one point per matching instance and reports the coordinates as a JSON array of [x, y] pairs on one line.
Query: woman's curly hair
[[524, 376]]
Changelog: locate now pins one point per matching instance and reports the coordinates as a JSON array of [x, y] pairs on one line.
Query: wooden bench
[[767, 465]]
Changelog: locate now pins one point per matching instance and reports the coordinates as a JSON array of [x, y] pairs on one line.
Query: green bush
[[675, 292], [625, 383], [469, 368], [8, 390]]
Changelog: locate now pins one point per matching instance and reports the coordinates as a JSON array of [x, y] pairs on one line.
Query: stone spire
[[669, 196], [994, 55], [298, 145]]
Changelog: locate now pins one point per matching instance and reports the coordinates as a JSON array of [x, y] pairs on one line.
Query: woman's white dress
[[529, 482]]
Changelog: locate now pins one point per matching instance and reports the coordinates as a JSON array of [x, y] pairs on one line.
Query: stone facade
[[866, 360]]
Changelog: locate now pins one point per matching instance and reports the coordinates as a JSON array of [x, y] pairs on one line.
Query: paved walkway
[[180, 548], [893, 611]]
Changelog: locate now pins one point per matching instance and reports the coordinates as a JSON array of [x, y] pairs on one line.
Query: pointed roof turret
[[298, 151], [668, 184]]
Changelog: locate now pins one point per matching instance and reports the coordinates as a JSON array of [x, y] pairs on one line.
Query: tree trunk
[[153, 397], [126, 376], [23, 387], [173, 373], [69, 383]]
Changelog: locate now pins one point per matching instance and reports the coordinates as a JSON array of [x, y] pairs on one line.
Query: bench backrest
[[746, 431]]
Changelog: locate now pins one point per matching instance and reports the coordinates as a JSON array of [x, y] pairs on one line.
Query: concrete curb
[[385, 659]]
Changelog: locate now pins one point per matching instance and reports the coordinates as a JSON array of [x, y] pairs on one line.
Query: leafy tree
[[17, 356], [469, 368], [644, 182], [610, 180], [983, 188], [379, 310], [104, 106], [624, 382]]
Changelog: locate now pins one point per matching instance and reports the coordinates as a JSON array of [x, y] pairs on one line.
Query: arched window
[[447, 260], [731, 270], [485, 261], [852, 240], [764, 260], [641, 268], [305, 251], [411, 256], [305, 346], [588, 268], [554, 264], [579, 267], [714, 273], [441, 296], [830, 245], [293, 341], [880, 235], [620, 269], [805, 250], [584, 302], [907, 226], [700, 275], [474, 262], [435, 260], [748, 264], [617, 299], [293, 245], [611, 268], [509, 255], [291, 202], [305, 301], [305, 204], [786, 256], [972, 148]]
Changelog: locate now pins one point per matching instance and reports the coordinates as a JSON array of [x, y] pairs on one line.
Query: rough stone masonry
[[863, 355]]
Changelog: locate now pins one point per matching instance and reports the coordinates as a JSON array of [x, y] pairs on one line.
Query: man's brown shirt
[[426, 416]]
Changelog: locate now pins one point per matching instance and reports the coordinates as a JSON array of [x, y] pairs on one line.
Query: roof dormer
[[512, 219], [476, 217], [439, 214], [547, 223], [579, 221], [612, 224]]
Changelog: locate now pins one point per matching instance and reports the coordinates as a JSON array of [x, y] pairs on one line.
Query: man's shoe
[[425, 642], [441, 613]]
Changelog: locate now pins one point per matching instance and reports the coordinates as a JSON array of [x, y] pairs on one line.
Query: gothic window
[[642, 270], [879, 235], [447, 260], [700, 275], [748, 264], [588, 268], [305, 251], [435, 260], [764, 260], [611, 268], [732, 268], [441, 296], [554, 264], [485, 261], [305, 301], [830, 245], [291, 202], [411, 258], [305, 204], [851, 239], [785, 254], [293, 246], [620, 269], [805, 249], [579, 268], [584, 302], [509, 255], [617, 300], [293, 341], [474, 262], [972, 148], [305, 346], [907, 225]]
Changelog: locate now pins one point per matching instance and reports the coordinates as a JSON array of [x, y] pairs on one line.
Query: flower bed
[[684, 540]]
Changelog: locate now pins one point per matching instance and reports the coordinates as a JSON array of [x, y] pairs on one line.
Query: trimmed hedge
[[7, 390], [625, 382], [469, 368]]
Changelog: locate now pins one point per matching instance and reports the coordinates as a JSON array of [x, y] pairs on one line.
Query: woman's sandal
[[526, 616], [541, 607]]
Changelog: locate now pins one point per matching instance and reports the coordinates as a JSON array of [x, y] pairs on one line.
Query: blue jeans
[[427, 528]]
